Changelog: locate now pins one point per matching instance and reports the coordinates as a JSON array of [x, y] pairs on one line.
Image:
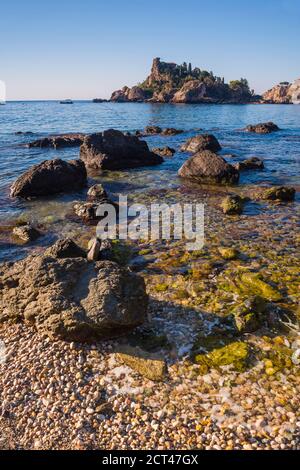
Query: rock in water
[[253, 163], [279, 193], [208, 167], [72, 298], [232, 205], [27, 233], [59, 141], [201, 142], [97, 193], [263, 128], [112, 150], [164, 151], [50, 177], [146, 364]]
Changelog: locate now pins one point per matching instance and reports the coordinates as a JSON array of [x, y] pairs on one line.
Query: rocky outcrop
[[134, 94], [112, 150], [253, 163], [50, 177], [192, 91], [72, 298], [59, 141], [262, 128], [284, 93], [172, 83], [208, 167], [201, 142]]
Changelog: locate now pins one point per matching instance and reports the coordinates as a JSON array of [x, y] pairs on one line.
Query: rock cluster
[[59, 141], [262, 128]]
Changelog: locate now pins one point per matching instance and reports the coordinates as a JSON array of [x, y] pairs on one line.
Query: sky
[[87, 49]]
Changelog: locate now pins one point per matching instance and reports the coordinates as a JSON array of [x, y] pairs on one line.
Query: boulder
[[164, 151], [50, 177], [112, 150], [201, 142], [192, 91], [72, 298], [279, 193], [94, 249], [65, 248], [253, 163], [208, 167], [263, 128], [59, 141], [232, 205], [26, 233]]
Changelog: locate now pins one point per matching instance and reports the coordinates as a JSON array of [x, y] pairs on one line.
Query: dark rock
[[112, 150], [65, 248], [99, 100], [164, 151], [152, 130], [263, 128], [59, 141], [26, 233], [250, 315], [72, 298], [50, 177], [253, 163], [279, 193], [171, 131], [208, 167], [201, 142]]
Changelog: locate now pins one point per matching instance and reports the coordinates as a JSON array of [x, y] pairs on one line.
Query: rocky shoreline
[[201, 348]]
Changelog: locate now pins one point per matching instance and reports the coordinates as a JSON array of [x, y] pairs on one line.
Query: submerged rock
[[236, 354], [208, 167], [59, 141], [201, 142], [263, 128], [279, 193], [50, 177], [148, 365], [250, 315], [232, 205], [72, 298], [152, 130], [171, 131], [112, 150], [97, 193], [164, 151], [253, 163], [26, 233], [228, 253]]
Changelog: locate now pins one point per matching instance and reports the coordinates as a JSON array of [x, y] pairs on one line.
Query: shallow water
[[280, 151]]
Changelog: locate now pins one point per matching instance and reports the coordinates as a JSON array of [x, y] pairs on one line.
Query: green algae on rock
[[253, 282], [250, 314], [228, 253], [149, 366], [282, 193], [233, 205], [236, 354]]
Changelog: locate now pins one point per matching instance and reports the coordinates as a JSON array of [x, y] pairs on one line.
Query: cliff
[[172, 83], [284, 93]]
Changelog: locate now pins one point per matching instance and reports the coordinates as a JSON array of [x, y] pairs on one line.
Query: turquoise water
[[280, 151]]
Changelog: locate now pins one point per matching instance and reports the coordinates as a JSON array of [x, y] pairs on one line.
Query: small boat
[[66, 101]]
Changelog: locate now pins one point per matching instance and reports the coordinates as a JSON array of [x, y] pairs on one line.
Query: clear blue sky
[[85, 49]]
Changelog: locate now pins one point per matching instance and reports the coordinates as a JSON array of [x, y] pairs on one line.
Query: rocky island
[[283, 93], [172, 83]]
